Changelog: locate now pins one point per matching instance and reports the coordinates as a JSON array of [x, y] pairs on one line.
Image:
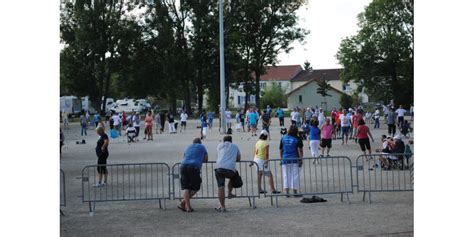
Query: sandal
[[181, 208], [231, 196], [190, 210]]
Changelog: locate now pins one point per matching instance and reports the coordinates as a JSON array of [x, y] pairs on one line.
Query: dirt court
[[390, 214]]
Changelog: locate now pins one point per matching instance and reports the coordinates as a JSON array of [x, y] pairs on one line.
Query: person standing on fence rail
[[291, 154], [102, 153], [227, 155], [261, 152], [362, 135], [194, 155]]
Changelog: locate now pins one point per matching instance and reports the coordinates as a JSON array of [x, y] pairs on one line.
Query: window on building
[[300, 98], [279, 84], [263, 85], [238, 100], [346, 87]]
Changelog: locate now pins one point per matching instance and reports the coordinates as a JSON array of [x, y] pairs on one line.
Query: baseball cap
[[264, 132]]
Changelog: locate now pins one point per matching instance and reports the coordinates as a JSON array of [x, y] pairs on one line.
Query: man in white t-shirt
[[116, 123], [184, 118], [400, 113], [345, 125], [228, 118], [292, 116]]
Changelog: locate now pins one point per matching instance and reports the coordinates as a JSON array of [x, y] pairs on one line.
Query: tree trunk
[[257, 86], [200, 90]]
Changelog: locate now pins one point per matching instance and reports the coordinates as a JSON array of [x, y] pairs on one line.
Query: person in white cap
[[261, 157]]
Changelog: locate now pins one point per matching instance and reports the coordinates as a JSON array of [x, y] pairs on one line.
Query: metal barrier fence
[[127, 182], [384, 173], [62, 191], [62, 188], [209, 184], [316, 176]]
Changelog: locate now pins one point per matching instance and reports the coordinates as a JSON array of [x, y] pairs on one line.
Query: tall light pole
[[222, 79]]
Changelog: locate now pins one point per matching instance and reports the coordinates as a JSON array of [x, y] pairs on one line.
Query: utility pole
[[222, 74]]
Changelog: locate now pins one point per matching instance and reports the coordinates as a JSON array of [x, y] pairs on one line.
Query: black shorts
[[222, 174], [326, 143], [364, 143], [183, 123], [102, 161], [190, 178]]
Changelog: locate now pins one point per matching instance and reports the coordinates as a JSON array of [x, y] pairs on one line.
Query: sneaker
[[220, 209], [97, 185], [327, 155]]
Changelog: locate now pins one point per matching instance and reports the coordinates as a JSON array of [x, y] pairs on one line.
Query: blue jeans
[[377, 123], [83, 130]]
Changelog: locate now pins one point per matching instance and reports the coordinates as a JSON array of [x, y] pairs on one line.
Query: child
[[131, 133]]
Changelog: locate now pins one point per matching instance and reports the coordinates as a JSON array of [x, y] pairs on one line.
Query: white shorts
[[291, 175], [314, 144], [260, 163], [204, 131]]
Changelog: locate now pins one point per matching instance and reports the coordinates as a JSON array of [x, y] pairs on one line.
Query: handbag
[[237, 180]]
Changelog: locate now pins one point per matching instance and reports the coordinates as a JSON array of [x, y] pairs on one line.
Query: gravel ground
[[389, 214]]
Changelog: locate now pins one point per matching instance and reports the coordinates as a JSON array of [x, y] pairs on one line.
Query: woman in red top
[[362, 135], [149, 126]]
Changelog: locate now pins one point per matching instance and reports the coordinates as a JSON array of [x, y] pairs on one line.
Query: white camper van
[[127, 105], [87, 105], [71, 104], [109, 104]]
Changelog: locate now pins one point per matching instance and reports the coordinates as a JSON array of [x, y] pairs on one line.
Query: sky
[[329, 21]]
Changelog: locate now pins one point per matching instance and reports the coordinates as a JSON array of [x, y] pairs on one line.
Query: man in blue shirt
[[253, 117], [280, 115], [210, 117], [194, 155], [291, 153]]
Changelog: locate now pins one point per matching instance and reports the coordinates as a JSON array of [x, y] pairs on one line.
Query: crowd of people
[[310, 124]]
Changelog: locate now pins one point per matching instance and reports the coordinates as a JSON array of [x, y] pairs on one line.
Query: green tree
[[380, 56], [274, 96], [307, 65], [323, 89], [90, 33], [266, 29], [346, 101]]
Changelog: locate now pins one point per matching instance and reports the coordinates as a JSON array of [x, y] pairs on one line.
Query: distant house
[[280, 75], [305, 95], [332, 76]]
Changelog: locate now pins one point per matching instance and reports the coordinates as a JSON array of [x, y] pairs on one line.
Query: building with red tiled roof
[[281, 75]]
